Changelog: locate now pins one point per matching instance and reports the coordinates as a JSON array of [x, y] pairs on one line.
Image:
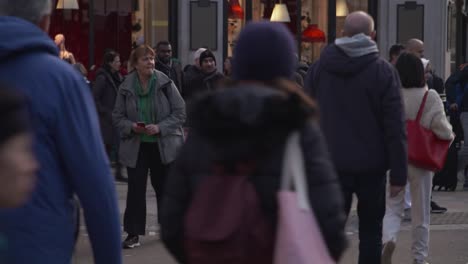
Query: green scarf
[[146, 105]]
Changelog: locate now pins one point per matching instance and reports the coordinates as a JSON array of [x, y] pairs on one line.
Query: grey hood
[[357, 45]]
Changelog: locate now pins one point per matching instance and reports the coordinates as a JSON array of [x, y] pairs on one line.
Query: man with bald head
[[362, 119], [416, 47]]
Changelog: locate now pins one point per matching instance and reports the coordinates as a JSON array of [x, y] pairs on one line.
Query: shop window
[[410, 22], [315, 18]]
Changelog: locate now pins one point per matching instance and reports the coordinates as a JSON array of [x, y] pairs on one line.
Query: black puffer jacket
[[252, 123]]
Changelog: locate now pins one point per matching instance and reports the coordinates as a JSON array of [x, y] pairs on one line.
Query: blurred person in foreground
[[17, 162], [250, 122], [67, 144]]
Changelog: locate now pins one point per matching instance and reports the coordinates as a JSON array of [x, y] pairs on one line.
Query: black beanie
[[264, 51], [13, 114], [206, 54]]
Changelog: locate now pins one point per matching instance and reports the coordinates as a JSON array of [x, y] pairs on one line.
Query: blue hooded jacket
[[69, 148]]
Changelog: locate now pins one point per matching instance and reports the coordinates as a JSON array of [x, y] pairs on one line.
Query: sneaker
[[131, 241], [437, 209], [387, 252]]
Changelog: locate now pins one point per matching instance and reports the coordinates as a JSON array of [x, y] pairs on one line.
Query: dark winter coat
[[197, 82], [105, 90], [173, 71], [361, 113], [252, 123]]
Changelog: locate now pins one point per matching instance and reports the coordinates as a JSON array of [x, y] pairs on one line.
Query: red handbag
[[425, 149]]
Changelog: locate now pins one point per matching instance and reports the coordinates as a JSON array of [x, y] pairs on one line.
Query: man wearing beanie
[[250, 121], [362, 118], [208, 79]]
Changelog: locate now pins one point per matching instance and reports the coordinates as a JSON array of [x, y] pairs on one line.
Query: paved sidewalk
[[448, 245]]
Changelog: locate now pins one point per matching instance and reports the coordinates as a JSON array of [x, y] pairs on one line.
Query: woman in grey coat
[[149, 113]]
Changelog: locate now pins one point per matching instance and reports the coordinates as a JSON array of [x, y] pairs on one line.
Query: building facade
[[190, 24]]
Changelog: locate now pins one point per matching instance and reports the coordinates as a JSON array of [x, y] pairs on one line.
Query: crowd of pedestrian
[[218, 188]]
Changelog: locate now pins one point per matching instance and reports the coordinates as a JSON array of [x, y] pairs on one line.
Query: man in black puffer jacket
[[251, 121]]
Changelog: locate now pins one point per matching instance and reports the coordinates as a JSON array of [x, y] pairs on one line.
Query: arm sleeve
[[439, 124], [394, 129], [87, 166], [98, 89], [177, 117], [119, 116], [325, 194], [176, 201]]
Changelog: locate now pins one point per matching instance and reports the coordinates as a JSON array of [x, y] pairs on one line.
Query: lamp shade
[[235, 10], [313, 34], [67, 4], [280, 13], [341, 8]]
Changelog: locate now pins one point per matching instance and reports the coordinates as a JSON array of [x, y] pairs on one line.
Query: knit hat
[[206, 54], [197, 53], [425, 62], [264, 51], [13, 115]]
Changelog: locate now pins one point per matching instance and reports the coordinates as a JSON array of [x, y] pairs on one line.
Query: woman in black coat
[[106, 85]]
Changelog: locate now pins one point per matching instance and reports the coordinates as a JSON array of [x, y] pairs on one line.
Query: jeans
[[420, 183], [370, 192]]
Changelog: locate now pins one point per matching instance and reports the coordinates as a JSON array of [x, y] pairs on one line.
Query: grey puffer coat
[[170, 112]]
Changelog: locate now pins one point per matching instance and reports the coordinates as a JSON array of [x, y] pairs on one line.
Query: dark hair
[[162, 43], [139, 52], [395, 50], [109, 57], [411, 71], [13, 114]]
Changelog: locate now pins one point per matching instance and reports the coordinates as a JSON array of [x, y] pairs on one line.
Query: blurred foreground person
[[67, 144], [241, 131], [17, 162]]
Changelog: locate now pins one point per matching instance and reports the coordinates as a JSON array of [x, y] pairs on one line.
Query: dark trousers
[[135, 212], [370, 192]]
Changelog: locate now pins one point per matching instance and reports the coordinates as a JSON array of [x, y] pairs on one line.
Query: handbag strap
[[421, 107], [293, 171]]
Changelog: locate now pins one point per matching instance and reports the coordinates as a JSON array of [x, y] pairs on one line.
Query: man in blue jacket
[[363, 122], [67, 144]]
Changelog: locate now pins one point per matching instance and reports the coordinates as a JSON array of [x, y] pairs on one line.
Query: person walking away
[[67, 144], [149, 113], [249, 123], [433, 117], [106, 86], [362, 119]]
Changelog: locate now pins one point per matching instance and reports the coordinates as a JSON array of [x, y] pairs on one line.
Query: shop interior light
[[67, 4], [280, 13], [313, 34], [235, 10], [341, 8]]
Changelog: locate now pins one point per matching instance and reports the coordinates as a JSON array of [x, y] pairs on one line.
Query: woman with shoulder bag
[[149, 113], [417, 98]]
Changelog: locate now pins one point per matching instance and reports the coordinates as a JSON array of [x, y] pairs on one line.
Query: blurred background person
[[149, 113], [64, 53], [105, 88], [168, 65]]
